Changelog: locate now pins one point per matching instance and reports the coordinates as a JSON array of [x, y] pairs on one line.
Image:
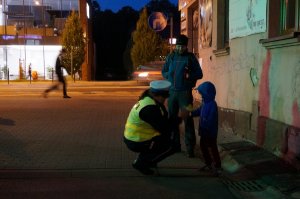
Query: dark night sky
[[116, 5]]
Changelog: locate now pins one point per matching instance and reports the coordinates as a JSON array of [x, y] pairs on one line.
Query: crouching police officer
[[148, 130]]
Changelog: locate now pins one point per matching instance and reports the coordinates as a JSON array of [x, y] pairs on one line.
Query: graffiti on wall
[[275, 101], [241, 62], [238, 63], [296, 81], [271, 96], [254, 76], [296, 95], [264, 92], [289, 135]]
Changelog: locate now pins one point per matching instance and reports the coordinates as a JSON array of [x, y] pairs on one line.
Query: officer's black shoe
[[190, 154], [177, 148], [144, 170], [206, 168], [153, 165], [217, 172]]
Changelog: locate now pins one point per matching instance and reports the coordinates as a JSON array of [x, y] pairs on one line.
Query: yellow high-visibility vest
[[136, 129]]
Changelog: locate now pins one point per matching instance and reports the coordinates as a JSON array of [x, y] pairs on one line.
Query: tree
[[73, 42], [161, 6], [96, 6], [147, 44]]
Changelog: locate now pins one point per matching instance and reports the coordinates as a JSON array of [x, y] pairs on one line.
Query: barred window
[[283, 17], [222, 28]]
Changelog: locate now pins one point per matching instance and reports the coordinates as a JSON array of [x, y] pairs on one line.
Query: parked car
[[147, 73]]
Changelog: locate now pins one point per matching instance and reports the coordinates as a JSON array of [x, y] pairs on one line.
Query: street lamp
[[171, 31]]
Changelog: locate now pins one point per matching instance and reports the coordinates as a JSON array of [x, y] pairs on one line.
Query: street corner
[[262, 192], [234, 168], [236, 172], [244, 184], [287, 183], [295, 194], [229, 164]]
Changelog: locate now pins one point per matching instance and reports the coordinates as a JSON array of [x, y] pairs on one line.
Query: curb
[[88, 173], [253, 172]]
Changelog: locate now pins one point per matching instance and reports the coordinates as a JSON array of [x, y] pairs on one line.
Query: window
[[222, 28], [283, 17], [289, 10]]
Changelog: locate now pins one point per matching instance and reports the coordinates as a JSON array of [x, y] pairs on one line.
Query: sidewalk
[[254, 172], [25, 88], [70, 83]]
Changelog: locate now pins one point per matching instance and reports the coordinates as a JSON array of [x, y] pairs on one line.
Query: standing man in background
[[183, 70]]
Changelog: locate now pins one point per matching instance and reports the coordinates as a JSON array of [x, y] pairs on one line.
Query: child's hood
[[207, 90]]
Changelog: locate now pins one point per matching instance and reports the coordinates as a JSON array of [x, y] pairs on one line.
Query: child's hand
[[184, 113]]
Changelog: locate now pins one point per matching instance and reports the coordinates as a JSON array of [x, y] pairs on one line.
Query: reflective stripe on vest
[[136, 129]]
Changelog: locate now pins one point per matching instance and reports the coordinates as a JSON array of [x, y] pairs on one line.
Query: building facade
[[250, 50], [30, 36]]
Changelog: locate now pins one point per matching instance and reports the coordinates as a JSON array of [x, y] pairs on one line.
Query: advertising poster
[[247, 17], [206, 23]]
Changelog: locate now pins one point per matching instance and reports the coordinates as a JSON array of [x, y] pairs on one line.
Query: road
[[109, 88], [72, 148]]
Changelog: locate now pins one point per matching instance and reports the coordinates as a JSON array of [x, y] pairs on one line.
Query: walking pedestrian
[[29, 70], [208, 127], [59, 72], [147, 130], [183, 70]]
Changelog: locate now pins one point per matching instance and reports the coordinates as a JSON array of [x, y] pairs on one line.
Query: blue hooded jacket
[[208, 111]]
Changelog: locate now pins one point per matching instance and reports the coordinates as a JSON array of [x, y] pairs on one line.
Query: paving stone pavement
[[82, 137]]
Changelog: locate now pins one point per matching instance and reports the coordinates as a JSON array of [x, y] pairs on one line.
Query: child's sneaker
[[205, 168], [217, 171]]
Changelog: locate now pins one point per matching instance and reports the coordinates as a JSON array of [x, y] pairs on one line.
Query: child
[[208, 127]]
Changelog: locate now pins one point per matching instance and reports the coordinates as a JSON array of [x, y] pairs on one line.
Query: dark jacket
[[177, 66], [208, 111], [59, 66], [157, 117]]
